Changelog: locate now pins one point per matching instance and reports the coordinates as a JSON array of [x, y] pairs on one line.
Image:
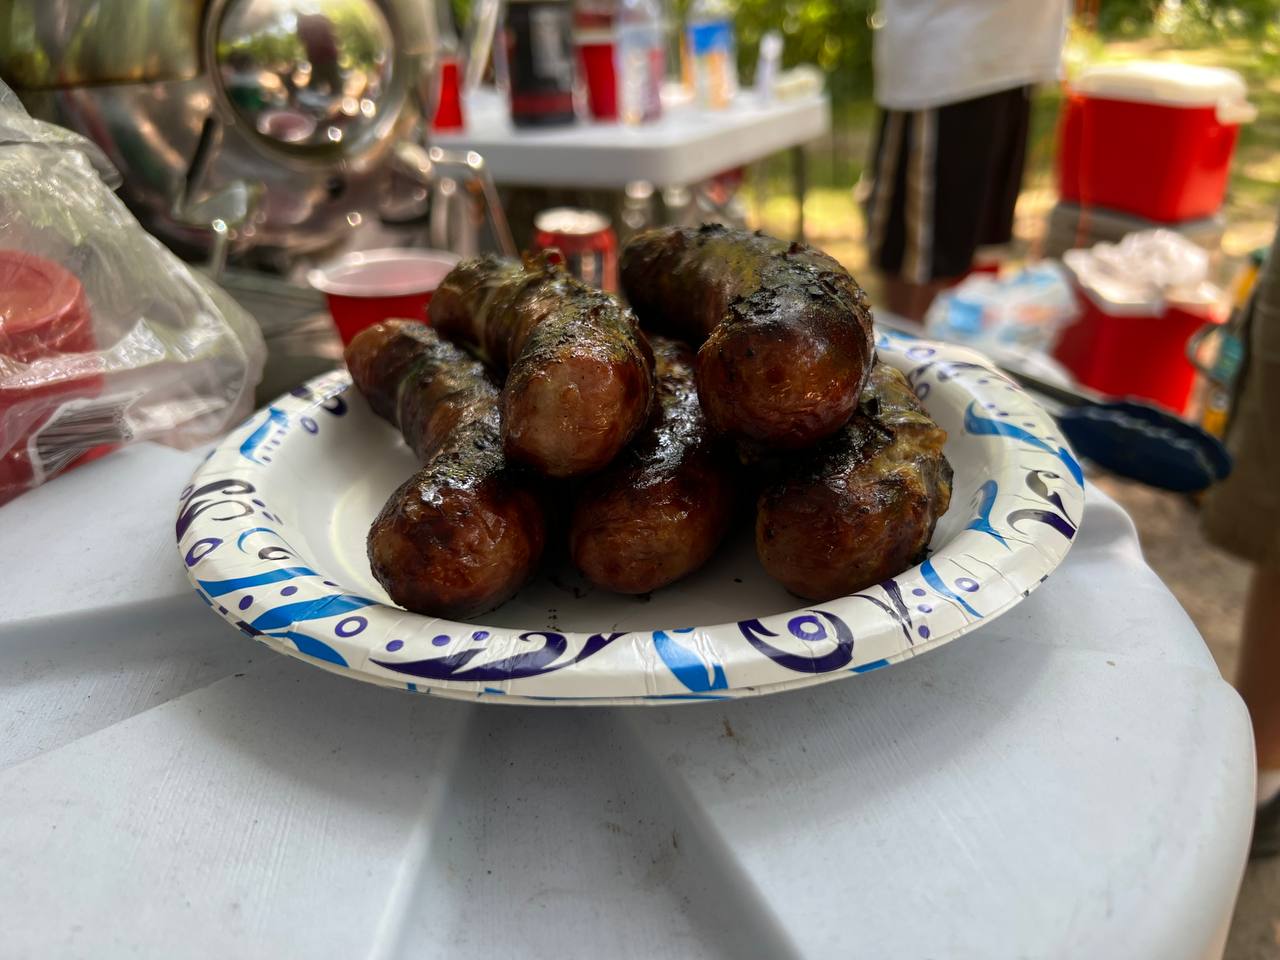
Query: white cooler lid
[[1170, 84]]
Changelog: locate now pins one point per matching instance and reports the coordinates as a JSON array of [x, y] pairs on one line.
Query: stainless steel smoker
[[281, 115]]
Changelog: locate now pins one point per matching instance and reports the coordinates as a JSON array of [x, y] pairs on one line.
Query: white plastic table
[[1073, 780], [686, 146]]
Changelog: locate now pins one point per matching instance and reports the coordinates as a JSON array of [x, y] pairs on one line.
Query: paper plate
[[272, 530]]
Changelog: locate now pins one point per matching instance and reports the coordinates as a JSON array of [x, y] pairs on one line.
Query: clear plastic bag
[[105, 336], [1145, 270], [1023, 311]]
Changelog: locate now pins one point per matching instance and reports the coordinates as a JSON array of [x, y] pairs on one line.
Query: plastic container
[[1151, 139], [640, 61], [1134, 350], [713, 53], [375, 285], [43, 313]]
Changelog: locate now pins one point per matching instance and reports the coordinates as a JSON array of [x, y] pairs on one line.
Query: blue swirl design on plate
[[982, 519], [275, 426], [202, 499], [939, 585], [278, 622], [976, 424], [216, 588], [810, 629], [896, 607], [688, 664], [547, 658], [1058, 518], [873, 665]]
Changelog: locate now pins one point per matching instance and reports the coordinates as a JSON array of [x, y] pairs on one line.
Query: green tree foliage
[[1193, 20], [833, 34]]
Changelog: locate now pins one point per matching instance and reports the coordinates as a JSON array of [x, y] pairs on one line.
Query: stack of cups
[[44, 315]]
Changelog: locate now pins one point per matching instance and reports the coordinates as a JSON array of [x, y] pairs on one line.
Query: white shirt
[[933, 52]]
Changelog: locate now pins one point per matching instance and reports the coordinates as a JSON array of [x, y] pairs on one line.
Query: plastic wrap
[[1020, 313], [105, 336], [1145, 270]]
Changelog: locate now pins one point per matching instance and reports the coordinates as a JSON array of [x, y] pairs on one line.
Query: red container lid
[[43, 308], [1170, 84]]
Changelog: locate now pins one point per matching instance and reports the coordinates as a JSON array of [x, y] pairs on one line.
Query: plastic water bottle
[[714, 52], [641, 60]]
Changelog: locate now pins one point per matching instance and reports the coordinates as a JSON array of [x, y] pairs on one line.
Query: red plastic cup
[[375, 285], [449, 107], [595, 56], [43, 313]]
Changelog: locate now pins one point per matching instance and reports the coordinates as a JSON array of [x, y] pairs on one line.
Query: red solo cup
[[43, 313], [449, 107], [595, 56], [375, 285]]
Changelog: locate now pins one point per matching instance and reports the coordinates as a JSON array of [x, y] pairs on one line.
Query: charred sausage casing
[[860, 507], [660, 510], [577, 371], [784, 331], [461, 535]]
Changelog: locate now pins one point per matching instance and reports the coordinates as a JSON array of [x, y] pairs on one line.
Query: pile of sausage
[[531, 390]]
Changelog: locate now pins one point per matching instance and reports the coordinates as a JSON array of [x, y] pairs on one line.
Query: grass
[[835, 223]]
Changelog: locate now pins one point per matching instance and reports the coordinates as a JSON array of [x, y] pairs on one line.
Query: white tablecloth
[[685, 147], [1072, 780]]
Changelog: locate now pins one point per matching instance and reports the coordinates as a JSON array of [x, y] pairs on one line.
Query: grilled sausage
[[785, 332], [860, 507], [578, 372], [660, 510], [461, 535]]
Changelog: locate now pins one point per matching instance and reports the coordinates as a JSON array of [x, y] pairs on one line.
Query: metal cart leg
[[800, 177]]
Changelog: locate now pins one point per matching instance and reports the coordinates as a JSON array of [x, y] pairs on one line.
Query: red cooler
[[1151, 139], [1134, 350]]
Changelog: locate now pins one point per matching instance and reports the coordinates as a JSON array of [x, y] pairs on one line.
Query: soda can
[[586, 239]]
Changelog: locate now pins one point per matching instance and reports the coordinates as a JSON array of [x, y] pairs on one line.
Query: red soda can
[[586, 239]]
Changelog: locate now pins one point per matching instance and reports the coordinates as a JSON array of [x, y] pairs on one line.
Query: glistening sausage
[[659, 511], [861, 506], [784, 331], [578, 371], [461, 535]]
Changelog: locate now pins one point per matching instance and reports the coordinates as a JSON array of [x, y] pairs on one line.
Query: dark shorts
[[944, 182]]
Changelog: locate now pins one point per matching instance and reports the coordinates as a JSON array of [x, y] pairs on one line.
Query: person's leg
[[1004, 183], [1258, 675], [958, 182], [883, 204], [900, 211], [911, 300]]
